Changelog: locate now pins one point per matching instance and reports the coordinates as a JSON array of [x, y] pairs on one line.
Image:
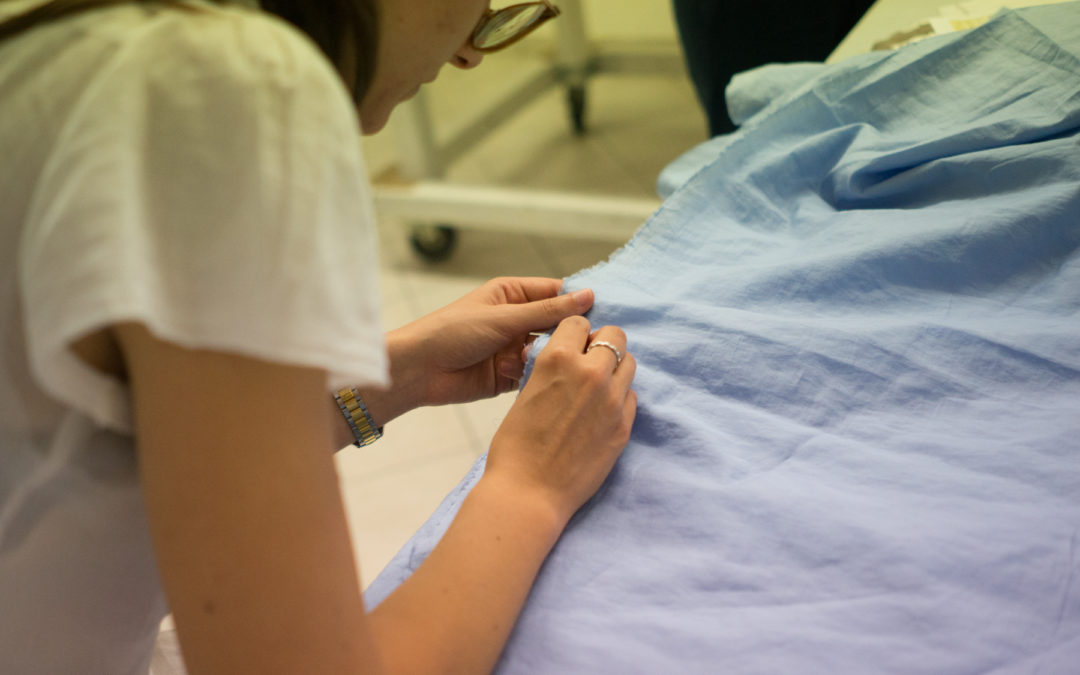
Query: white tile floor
[[637, 124]]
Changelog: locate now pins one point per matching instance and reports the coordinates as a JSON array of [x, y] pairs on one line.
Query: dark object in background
[[724, 37]]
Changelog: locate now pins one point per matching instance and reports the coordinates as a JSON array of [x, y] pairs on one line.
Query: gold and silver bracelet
[[358, 417]]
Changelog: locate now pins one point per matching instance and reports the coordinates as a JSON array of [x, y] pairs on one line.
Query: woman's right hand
[[571, 421]]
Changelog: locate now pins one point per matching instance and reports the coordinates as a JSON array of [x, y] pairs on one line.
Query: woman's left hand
[[473, 347]]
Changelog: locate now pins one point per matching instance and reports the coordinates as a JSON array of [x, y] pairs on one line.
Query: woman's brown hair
[[345, 30]]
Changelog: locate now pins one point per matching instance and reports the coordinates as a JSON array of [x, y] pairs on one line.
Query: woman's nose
[[466, 57]]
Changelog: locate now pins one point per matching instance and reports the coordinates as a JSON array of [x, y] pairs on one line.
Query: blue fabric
[[858, 439], [747, 94]]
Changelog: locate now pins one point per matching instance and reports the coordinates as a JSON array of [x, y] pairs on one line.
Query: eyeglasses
[[503, 27]]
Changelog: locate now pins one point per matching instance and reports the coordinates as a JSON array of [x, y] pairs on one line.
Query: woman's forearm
[[456, 611], [407, 381], [406, 391], [552, 452]]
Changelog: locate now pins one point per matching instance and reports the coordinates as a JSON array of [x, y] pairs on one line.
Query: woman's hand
[[472, 348], [562, 436], [556, 446]]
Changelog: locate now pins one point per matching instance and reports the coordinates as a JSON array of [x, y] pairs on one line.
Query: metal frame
[[424, 197]]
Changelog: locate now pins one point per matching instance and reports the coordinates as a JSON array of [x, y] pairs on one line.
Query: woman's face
[[416, 38]]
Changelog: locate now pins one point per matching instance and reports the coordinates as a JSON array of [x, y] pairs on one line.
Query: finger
[[570, 336], [526, 346], [541, 314], [510, 365], [612, 334], [505, 384], [609, 343], [629, 413], [623, 376], [530, 289]]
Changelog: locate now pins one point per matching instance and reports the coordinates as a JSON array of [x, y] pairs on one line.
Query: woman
[[189, 327]]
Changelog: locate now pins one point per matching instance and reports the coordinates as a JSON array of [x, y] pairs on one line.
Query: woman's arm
[[468, 350], [556, 446], [249, 529], [245, 513]]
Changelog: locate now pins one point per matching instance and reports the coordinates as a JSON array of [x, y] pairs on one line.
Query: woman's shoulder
[[237, 67], [172, 46], [203, 40], [182, 43]]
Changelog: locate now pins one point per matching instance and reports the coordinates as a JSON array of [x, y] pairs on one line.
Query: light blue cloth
[[858, 439], [748, 94]]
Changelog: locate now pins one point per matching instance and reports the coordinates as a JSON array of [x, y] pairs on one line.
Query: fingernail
[[508, 369], [583, 298]]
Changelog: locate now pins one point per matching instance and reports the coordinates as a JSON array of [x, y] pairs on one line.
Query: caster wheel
[[434, 243], [575, 98]]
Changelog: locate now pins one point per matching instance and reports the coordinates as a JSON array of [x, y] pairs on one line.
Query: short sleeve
[[209, 184]]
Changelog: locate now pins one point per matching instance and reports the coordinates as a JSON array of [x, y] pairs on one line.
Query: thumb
[[542, 314]]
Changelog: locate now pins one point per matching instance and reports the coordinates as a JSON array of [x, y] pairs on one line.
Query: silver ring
[[607, 345]]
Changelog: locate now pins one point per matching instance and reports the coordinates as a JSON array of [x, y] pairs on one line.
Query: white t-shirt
[[196, 171]]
